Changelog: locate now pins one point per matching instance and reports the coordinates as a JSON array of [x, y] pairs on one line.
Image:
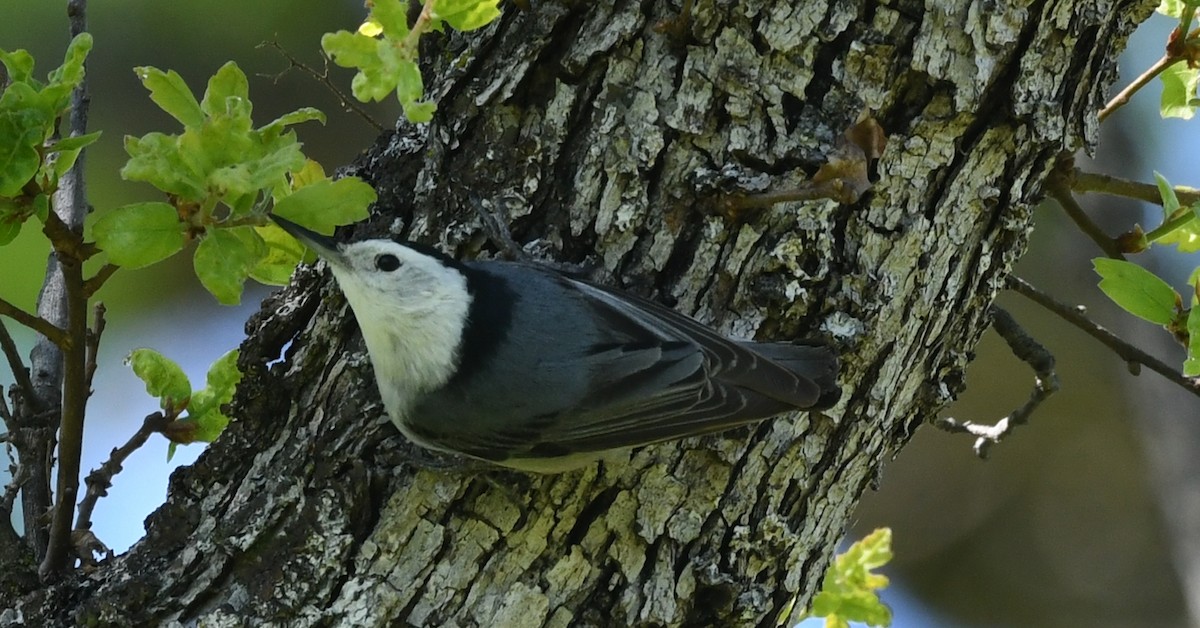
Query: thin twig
[[422, 24], [1104, 184], [19, 478], [19, 370], [1037, 357], [1121, 99], [93, 344], [93, 285], [1128, 352], [100, 479], [42, 326], [1067, 201], [323, 79]]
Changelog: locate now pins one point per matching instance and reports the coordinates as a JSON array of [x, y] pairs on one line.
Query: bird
[[526, 367]]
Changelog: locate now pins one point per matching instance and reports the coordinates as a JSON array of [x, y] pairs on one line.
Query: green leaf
[[1179, 87], [163, 377], [70, 74], [155, 159], [68, 152], [1171, 8], [283, 253], [1185, 235], [1191, 366], [1137, 290], [1181, 225], [392, 17], [323, 205], [262, 173], [384, 65], [304, 114], [19, 64], [19, 159], [848, 592], [1170, 202], [419, 112], [228, 91], [223, 378], [409, 86], [171, 94], [311, 172], [138, 235], [350, 50], [466, 15], [224, 258], [9, 228], [75, 142], [41, 206]]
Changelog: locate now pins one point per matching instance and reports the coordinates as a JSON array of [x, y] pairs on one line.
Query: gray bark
[[607, 141]]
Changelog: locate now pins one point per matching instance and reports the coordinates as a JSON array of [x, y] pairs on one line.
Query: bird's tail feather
[[811, 359]]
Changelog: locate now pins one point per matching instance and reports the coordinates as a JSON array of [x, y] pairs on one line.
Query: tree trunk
[[605, 131]]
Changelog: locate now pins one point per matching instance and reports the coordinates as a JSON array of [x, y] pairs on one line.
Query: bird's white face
[[383, 275], [411, 308]]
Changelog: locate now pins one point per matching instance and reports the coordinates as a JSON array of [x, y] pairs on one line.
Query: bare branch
[[93, 344], [1121, 99], [1104, 184], [19, 370], [1037, 357], [93, 285], [1066, 200], [42, 326], [19, 477], [100, 479], [1128, 352], [348, 104]]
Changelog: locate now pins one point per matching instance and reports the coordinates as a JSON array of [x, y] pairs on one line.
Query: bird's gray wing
[[658, 375], [729, 361]]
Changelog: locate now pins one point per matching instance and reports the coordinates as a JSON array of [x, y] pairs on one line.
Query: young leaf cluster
[[203, 419], [1181, 80], [1145, 295], [849, 591], [384, 49], [32, 159], [220, 175]]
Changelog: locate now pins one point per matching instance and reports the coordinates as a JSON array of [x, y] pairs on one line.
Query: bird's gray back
[[503, 380]]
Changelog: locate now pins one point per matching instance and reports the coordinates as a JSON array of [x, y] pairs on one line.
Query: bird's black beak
[[324, 246]]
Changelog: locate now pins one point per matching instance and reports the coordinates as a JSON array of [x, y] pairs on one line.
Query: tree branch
[[1104, 184], [1128, 352], [66, 300], [100, 479], [1038, 358], [1061, 193], [93, 344], [49, 330], [323, 78], [1121, 99], [93, 285], [19, 476], [19, 370]]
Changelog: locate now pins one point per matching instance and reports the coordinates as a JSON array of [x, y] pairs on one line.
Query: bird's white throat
[[413, 339]]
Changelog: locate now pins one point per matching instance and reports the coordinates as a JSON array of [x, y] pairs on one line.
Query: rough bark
[[605, 139]]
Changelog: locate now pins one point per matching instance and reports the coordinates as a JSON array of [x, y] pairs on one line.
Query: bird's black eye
[[387, 262]]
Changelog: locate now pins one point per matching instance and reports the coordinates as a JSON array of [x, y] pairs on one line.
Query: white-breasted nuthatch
[[529, 368]]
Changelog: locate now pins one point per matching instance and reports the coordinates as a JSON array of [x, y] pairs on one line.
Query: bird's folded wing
[[727, 360]]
